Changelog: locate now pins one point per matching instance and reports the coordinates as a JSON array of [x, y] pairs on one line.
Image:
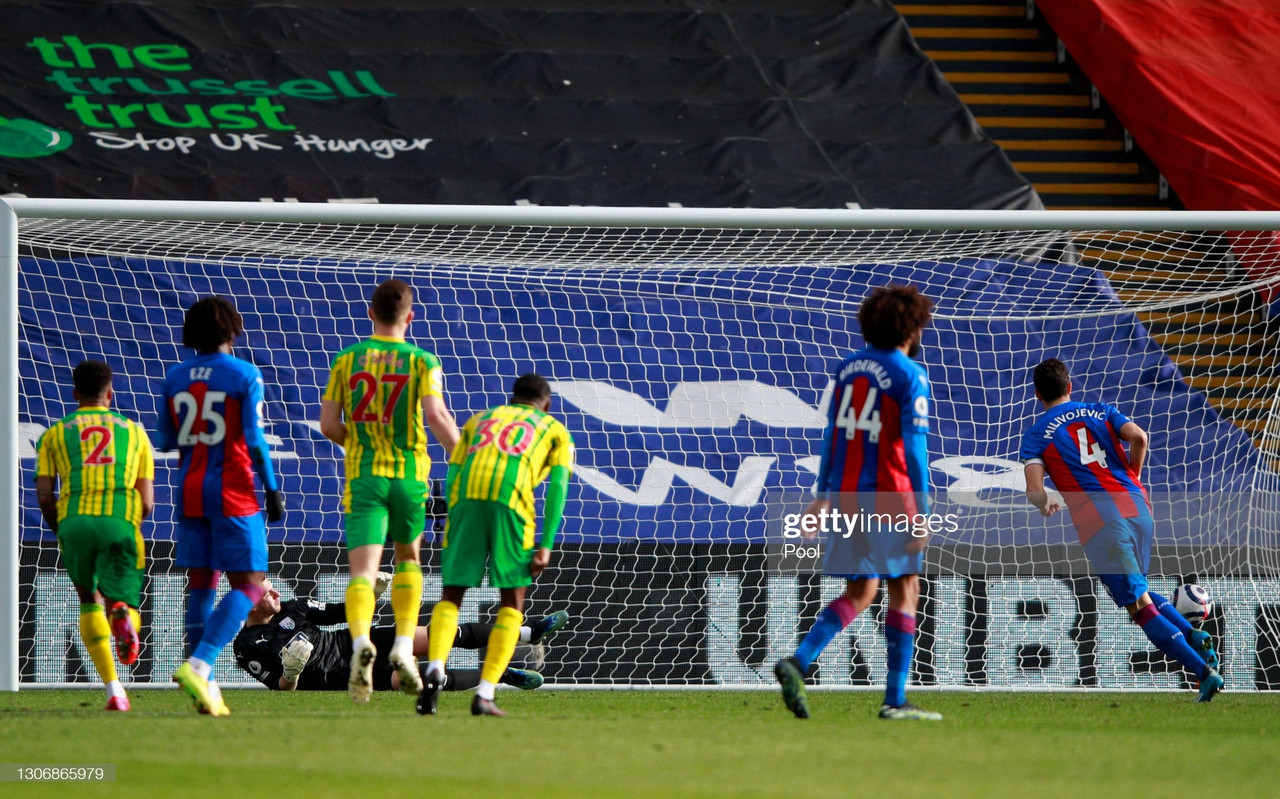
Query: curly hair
[[391, 300], [210, 323], [891, 315]]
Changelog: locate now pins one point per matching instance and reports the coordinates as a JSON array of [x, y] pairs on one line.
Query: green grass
[[594, 744]]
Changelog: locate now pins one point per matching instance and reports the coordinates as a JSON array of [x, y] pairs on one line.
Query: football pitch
[[640, 743]]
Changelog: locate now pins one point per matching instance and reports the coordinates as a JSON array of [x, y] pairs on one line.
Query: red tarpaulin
[[1197, 83]]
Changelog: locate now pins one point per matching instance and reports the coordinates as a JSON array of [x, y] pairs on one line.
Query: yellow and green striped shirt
[[98, 456], [380, 384], [504, 452]]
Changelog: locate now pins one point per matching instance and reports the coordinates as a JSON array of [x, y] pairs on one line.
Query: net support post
[[9, 467]]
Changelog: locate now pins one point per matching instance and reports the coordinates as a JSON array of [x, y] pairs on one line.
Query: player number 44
[[868, 417]]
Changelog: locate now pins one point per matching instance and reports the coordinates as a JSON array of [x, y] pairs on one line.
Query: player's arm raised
[[1138, 444]]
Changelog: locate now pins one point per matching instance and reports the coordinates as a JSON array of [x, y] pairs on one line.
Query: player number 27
[[868, 418], [189, 412], [361, 412]]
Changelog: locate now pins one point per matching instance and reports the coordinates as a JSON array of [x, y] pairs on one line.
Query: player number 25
[[189, 412]]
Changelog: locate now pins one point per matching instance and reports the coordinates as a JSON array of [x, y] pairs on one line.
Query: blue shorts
[[1121, 553], [225, 543], [872, 554]]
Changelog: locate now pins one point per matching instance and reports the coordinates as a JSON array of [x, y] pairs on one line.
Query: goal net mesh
[[693, 368]]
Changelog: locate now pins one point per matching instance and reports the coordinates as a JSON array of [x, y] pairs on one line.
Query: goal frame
[[12, 210]]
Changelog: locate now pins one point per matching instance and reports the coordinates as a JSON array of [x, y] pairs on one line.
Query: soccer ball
[[1193, 603]]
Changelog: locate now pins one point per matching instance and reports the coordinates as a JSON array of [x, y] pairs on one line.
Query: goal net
[[692, 365]]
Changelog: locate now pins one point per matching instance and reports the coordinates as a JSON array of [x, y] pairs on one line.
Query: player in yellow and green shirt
[[503, 453], [105, 468], [380, 393]]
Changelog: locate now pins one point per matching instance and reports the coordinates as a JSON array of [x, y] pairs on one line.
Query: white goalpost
[[690, 353]]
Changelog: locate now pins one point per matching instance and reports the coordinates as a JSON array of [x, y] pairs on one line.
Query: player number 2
[[1090, 451], [189, 412], [361, 412], [99, 456], [868, 418]]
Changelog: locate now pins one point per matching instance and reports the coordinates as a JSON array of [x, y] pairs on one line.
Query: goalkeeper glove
[[437, 506], [294, 656], [275, 506], [381, 583]]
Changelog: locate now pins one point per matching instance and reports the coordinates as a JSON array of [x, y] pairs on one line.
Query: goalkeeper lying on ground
[[282, 647]]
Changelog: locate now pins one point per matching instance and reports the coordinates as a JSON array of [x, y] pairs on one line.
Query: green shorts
[[105, 553], [480, 532], [376, 506]]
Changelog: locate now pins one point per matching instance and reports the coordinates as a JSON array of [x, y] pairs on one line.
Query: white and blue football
[[1193, 603]]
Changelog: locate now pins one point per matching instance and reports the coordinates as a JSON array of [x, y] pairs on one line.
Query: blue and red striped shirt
[[1078, 443], [876, 432], [211, 411]]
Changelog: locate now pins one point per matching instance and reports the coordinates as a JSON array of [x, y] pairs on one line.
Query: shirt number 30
[[512, 438]]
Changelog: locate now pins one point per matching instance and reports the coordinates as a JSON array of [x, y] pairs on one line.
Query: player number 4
[[1090, 451], [868, 418]]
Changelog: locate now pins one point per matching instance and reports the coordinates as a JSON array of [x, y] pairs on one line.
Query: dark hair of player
[[1052, 380], [891, 315], [210, 323], [91, 379], [391, 300], [530, 388]]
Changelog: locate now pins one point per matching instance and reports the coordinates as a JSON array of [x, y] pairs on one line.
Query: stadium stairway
[[1225, 348], [1009, 69], [1035, 103]]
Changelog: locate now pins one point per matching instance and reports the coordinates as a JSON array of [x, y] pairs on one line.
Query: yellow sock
[[136, 618], [444, 628], [359, 607], [502, 643], [406, 597], [95, 630]]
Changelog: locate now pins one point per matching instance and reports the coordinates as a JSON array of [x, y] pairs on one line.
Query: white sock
[[361, 643], [525, 635], [200, 667], [485, 690], [435, 668], [403, 642], [114, 688]]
